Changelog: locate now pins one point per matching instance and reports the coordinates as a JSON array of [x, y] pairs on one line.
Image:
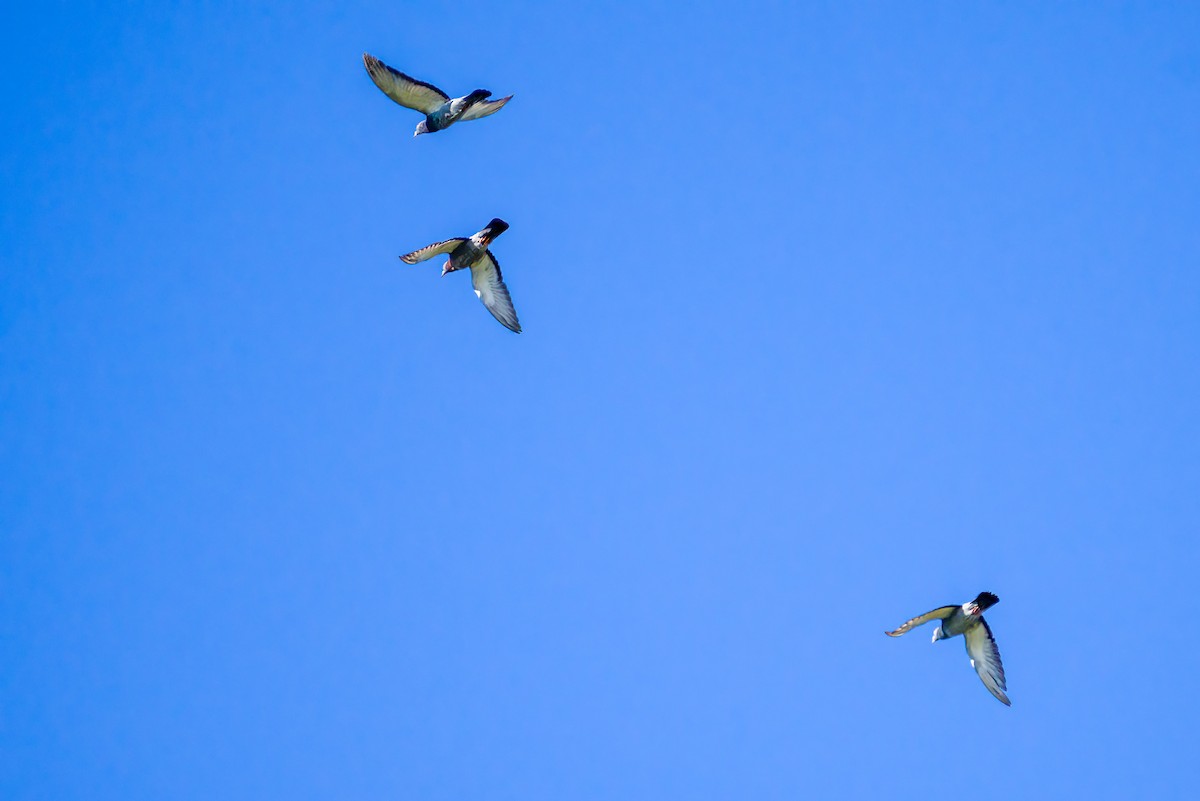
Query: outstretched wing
[[429, 251], [985, 658], [489, 286], [484, 108], [941, 613], [407, 91]]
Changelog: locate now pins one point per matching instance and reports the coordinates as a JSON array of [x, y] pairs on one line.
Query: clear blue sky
[[833, 313]]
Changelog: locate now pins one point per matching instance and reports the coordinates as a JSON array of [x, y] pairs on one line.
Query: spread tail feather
[[986, 600]]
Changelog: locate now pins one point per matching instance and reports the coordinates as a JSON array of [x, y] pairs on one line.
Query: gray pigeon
[[440, 111], [485, 270], [968, 621]]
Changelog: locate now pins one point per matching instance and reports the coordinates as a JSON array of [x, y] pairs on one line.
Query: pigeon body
[[968, 621], [440, 110], [473, 253]]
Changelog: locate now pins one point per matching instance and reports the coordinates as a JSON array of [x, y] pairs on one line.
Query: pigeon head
[[421, 128]]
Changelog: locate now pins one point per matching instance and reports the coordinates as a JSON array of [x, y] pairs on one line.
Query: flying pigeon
[[968, 621], [485, 270], [440, 111]]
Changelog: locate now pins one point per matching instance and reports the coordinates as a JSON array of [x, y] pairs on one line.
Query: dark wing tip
[[377, 68], [514, 325]]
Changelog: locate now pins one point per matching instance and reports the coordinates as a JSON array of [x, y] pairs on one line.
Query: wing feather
[[941, 613], [489, 286], [484, 107], [405, 90], [429, 251], [985, 658]]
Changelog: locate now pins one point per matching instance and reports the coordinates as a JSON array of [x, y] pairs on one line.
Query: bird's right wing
[[489, 286], [484, 108], [985, 658], [941, 613], [429, 251], [405, 90]]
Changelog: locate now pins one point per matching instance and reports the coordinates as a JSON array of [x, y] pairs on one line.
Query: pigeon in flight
[[968, 621], [439, 109], [485, 270]]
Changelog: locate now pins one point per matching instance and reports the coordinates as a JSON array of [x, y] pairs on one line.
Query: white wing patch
[[484, 108], [490, 288], [405, 90], [985, 658], [941, 613], [429, 251]]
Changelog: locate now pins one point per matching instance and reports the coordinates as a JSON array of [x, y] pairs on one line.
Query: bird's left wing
[[985, 658], [941, 613], [484, 108], [489, 286], [404, 89], [429, 251]]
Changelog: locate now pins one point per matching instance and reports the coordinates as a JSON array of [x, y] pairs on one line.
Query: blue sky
[[833, 313]]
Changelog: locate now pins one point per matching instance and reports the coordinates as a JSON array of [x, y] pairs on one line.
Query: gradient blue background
[[833, 314]]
